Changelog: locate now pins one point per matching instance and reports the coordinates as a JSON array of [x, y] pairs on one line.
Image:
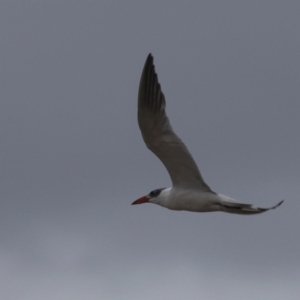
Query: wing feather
[[159, 135]]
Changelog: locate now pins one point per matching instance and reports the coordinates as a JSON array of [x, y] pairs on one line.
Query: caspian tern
[[189, 191]]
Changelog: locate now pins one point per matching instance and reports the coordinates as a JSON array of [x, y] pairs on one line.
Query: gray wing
[[159, 135], [234, 207]]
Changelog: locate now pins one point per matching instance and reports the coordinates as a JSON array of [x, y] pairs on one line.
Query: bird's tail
[[243, 208]]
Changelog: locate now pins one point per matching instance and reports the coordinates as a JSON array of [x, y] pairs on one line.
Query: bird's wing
[[159, 135], [229, 205]]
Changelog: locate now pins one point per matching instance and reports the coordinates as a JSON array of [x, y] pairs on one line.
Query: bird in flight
[[189, 191]]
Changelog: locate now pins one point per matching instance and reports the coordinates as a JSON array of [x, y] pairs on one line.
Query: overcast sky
[[73, 159]]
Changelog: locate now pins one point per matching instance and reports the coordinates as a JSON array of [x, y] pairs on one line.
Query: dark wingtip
[[279, 203], [149, 59]]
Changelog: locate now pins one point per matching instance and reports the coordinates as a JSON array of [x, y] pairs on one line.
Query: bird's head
[[154, 196]]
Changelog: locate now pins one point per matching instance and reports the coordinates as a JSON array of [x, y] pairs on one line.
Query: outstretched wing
[[159, 135], [231, 206]]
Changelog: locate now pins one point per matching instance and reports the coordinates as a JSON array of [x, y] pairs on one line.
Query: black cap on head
[[155, 193]]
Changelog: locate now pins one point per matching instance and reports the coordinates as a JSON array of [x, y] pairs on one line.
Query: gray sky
[[73, 160]]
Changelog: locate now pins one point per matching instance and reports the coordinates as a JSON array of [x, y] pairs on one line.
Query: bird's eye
[[152, 194], [155, 193]]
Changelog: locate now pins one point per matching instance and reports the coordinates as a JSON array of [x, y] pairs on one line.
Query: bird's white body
[[189, 191], [198, 201], [187, 199]]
